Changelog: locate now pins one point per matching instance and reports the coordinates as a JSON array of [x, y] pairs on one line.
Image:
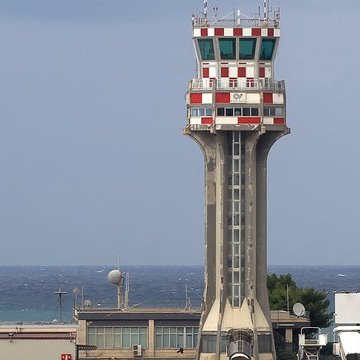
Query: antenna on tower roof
[[266, 10], [205, 9]]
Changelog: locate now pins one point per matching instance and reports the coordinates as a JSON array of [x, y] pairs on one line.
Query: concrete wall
[[24, 349]]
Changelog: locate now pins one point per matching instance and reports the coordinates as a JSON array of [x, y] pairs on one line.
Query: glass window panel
[[236, 149], [208, 112], [143, 340], [209, 343], [227, 48], [236, 219], [126, 330], [237, 111], [236, 207], [236, 261], [236, 179], [195, 112], [143, 330], [117, 340], [173, 341], [206, 47], [236, 194], [189, 341], [236, 249], [236, 236], [266, 112], [236, 277], [126, 340], [220, 112], [195, 339], [267, 49], [134, 339], [91, 339], [236, 166], [236, 291], [109, 341], [159, 341], [166, 341], [246, 111], [279, 112], [180, 340], [100, 340], [229, 111], [201, 111], [254, 112], [247, 49]]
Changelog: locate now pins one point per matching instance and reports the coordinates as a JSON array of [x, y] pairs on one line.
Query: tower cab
[[235, 87]]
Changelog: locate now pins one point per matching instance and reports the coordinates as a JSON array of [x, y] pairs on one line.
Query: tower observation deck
[[236, 111]]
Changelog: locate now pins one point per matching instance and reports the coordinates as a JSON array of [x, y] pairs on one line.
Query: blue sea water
[[27, 292]]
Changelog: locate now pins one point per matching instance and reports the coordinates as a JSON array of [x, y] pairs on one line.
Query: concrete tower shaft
[[236, 112], [236, 294]]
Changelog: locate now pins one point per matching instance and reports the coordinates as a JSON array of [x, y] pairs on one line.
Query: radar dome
[[114, 277]]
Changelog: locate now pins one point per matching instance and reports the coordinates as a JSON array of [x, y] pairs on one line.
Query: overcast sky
[[93, 160]]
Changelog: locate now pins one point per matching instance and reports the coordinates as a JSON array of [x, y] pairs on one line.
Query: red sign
[[66, 357]]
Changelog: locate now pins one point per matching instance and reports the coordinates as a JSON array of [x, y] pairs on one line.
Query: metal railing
[[236, 84], [201, 21], [278, 315]]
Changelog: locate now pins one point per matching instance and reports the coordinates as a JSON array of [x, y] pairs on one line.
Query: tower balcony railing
[[236, 84], [234, 21]]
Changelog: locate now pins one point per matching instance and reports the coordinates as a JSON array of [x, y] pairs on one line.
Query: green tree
[[283, 286], [317, 304]]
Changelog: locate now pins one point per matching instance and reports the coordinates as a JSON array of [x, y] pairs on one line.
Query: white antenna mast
[[266, 10], [238, 17], [205, 9]]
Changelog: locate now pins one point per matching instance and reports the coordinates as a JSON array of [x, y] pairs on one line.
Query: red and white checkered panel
[[209, 70], [241, 32], [273, 98], [204, 120], [273, 120], [264, 71], [233, 97], [200, 98], [235, 120]]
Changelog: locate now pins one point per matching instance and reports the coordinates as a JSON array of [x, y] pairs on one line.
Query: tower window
[[273, 111], [247, 49], [201, 111], [227, 49], [206, 47], [229, 112], [267, 49]]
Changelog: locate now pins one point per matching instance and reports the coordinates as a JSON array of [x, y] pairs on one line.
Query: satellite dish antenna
[[87, 304], [299, 309]]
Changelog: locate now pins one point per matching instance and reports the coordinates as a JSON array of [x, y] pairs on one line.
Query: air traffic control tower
[[236, 111]]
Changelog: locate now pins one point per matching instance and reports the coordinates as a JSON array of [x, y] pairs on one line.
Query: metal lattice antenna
[[205, 8]]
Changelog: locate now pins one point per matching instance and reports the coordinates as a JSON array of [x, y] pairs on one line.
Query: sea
[[28, 293]]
